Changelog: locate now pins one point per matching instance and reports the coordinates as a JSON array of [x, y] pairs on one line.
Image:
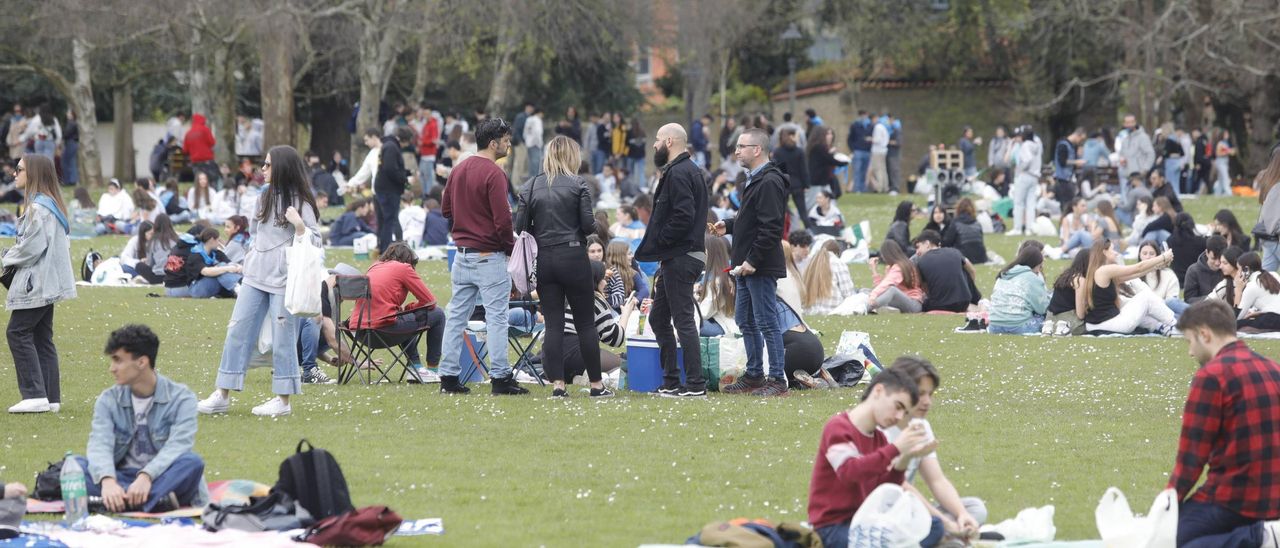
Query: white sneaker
[[1063, 329], [426, 376], [55, 407], [893, 193], [1014, 232], [887, 310], [274, 407], [522, 376], [215, 403], [1048, 327], [33, 405]]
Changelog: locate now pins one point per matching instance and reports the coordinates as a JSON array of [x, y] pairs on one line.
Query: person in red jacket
[[391, 280], [198, 145], [854, 457], [428, 146]]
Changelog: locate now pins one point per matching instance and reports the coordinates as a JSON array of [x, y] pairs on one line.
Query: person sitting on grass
[[900, 228], [1162, 282], [715, 293], [1098, 302], [146, 253], [1206, 273], [953, 515], [1062, 319], [1260, 299], [854, 456], [351, 226], [965, 233], [198, 268], [948, 277], [1019, 300], [1228, 424], [827, 282], [391, 279], [899, 289], [237, 247], [144, 429], [1187, 245]]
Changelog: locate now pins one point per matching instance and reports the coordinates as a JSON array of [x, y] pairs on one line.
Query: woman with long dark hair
[[1062, 318], [1019, 300], [1099, 303], [900, 228], [900, 288], [716, 292], [1260, 299], [1226, 225], [41, 259], [822, 162], [1186, 244], [555, 207], [1267, 229], [146, 253], [286, 212], [237, 227]]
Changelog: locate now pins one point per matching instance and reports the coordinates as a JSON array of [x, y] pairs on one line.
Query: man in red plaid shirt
[[1232, 423]]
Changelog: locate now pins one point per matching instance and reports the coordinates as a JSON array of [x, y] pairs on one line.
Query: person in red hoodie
[[391, 280], [854, 457], [428, 146], [198, 145]]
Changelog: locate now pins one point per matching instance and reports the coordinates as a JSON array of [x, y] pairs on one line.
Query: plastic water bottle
[[74, 493]]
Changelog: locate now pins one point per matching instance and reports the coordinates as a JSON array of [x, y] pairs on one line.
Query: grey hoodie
[[42, 254]]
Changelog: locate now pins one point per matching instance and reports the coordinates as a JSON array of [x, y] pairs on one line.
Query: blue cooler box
[[470, 371], [644, 365]]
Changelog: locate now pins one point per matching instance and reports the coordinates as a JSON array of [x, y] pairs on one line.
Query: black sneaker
[[506, 387], [449, 385], [601, 392], [559, 393], [744, 385], [691, 393], [669, 391], [972, 325], [773, 387]]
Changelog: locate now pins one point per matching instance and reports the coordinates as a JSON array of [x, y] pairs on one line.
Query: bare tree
[[383, 25]]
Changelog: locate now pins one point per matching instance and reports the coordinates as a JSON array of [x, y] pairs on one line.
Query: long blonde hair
[[618, 255], [793, 271], [717, 282], [562, 158], [818, 280]]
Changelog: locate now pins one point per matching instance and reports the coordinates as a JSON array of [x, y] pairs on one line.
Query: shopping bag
[[522, 266], [1118, 527], [711, 362], [858, 345], [306, 273], [889, 518]]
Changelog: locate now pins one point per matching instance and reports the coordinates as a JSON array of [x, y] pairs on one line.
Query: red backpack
[[368, 526]]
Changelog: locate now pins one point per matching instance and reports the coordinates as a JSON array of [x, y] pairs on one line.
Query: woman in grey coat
[[286, 212], [41, 257]]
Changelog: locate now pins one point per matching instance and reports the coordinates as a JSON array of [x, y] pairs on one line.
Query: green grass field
[[1022, 421]]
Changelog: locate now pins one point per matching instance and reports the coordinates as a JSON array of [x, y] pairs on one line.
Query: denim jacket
[[42, 255], [172, 422]]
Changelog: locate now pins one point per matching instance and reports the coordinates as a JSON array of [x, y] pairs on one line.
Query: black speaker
[[949, 189]]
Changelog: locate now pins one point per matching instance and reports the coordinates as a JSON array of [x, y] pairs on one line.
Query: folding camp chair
[[364, 341], [520, 339]]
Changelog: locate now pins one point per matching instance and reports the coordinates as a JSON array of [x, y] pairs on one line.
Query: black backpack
[[315, 480], [91, 260]]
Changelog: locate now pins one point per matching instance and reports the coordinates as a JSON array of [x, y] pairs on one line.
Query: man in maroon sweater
[[854, 457], [475, 203], [1232, 424]]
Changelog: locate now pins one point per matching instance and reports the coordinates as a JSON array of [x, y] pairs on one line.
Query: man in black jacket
[[675, 239], [758, 260], [790, 159], [389, 184], [1205, 274]]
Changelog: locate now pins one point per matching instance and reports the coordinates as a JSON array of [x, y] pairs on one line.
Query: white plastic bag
[[523, 263], [889, 518], [306, 273], [1031, 525], [1118, 527], [856, 305]]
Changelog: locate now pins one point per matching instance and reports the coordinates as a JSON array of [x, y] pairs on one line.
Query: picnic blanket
[[221, 491], [128, 535]]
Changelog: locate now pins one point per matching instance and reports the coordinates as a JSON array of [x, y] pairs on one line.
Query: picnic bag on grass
[[48, 485], [368, 526], [315, 480], [275, 512], [889, 518], [1118, 527]]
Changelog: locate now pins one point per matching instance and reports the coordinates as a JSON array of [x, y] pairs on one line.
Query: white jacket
[[533, 131], [367, 169]]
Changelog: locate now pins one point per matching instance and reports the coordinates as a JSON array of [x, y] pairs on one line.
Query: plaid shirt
[[1232, 423]]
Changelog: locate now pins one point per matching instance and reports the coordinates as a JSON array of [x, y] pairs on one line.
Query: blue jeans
[[477, 280], [837, 536], [70, 163], [861, 163], [1080, 238], [1207, 525], [1178, 306], [184, 478], [757, 316], [308, 342], [426, 173], [253, 306], [710, 329], [1125, 217], [1032, 325], [1173, 174], [598, 158], [1160, 236], [535, 161], [1270, 254], [206, 287]]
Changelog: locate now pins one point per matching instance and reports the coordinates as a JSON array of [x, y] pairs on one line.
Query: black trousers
[[797, 196], [803, 352], [1267, 321], [564, 275], [35, 358], [432, 319], [672, 315], [1064, 190], [387, 207]]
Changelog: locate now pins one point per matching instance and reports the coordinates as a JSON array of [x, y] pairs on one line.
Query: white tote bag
[[1118, 527], [306, 273], [889, 518]]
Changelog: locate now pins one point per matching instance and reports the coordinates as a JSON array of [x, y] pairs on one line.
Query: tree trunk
[[1264, 109], [277, 84], [420, 72], [82, 98], [122, 102], [378, 51], [198, 76], [224, 109], [504, 72]]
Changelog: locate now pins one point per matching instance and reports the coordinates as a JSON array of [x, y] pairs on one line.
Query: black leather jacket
[[556, 213]]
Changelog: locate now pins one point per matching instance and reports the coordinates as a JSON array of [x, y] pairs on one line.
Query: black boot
[[449, 385], [507, 386]]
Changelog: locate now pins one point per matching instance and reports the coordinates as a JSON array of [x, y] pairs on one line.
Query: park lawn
[[1022, 421]]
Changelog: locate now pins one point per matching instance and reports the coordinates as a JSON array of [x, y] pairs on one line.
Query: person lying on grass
[[954, 515], [1228, 424], [854, 456], [151, 467]]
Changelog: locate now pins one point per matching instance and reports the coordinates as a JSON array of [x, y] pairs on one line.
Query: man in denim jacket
[[143, 432]]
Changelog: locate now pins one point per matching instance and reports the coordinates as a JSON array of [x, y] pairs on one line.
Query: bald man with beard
[[675, 241]]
